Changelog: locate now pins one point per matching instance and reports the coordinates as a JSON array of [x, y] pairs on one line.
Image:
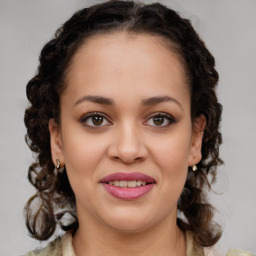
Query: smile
[[128, 186]]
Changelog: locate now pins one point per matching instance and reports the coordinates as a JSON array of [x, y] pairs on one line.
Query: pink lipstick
[[128, 186]]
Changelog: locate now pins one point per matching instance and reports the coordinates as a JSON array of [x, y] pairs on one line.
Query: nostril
[[116, 158], [138, 158]]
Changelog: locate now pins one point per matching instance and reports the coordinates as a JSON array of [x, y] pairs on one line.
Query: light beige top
[[62, 246]]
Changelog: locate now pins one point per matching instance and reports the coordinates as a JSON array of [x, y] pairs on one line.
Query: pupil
[[97, 120], [158, 120]]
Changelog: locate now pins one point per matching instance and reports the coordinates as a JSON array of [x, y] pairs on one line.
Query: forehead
[[121, 59]]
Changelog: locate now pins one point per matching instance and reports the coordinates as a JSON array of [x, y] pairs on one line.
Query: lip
[[128, 193], [128, 177]]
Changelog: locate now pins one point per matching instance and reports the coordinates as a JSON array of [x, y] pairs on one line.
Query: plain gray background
[[228, 29]]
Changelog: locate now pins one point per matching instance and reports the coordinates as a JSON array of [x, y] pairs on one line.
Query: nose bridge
[[128, 144], [128, 136]]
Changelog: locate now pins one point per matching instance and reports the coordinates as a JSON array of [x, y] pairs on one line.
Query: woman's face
[[125, 121]]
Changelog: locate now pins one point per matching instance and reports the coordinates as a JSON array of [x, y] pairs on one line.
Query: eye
[[95, 120], [160, 120]]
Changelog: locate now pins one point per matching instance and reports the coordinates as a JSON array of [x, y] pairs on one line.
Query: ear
[[56, 143], [196, 140]]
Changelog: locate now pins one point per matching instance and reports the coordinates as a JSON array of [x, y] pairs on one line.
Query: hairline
[[166, 42]]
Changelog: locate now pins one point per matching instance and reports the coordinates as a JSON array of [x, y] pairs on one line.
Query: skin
[[128, 69]]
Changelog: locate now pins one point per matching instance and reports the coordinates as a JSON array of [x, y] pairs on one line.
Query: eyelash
[[94, 114], [170, 119]]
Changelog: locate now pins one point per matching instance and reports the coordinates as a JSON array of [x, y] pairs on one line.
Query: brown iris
[[97, 120], [158, 120]]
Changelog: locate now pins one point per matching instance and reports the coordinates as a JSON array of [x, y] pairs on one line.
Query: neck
[[165, 239]]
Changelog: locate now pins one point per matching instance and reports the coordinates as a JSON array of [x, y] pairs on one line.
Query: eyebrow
[[160, 99], [95, 99], [147, 102]]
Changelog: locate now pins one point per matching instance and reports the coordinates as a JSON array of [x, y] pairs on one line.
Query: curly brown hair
[[54, 195]]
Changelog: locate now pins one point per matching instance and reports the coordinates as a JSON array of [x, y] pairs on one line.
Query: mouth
[[128, 186]]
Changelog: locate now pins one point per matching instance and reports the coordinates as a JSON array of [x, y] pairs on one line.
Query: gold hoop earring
[[58, 164], [194, 168]]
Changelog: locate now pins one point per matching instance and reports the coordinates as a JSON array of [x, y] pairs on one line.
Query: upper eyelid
[[83, 120], [148, 117], [171, 119], [164, 114], [95, 114], [108, 117]]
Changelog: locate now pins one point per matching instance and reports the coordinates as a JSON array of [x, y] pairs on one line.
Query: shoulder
[[193, 249], [237, 252], [54, 248], [62, 246]]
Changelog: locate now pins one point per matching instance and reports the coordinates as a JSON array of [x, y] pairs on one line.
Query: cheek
[[172, 152], [82, 153], [171, 157]]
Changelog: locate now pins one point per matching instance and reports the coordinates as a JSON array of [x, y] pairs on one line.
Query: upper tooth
[[116, 183], [138, 183], [132, 184], [123, 183]]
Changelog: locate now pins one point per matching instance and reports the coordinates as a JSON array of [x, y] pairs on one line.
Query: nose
[[127, 145]]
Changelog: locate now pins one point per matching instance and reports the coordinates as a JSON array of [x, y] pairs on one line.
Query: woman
[[125, 123]]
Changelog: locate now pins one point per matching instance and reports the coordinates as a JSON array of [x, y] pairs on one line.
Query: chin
[[129, 221], [128, 227]]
